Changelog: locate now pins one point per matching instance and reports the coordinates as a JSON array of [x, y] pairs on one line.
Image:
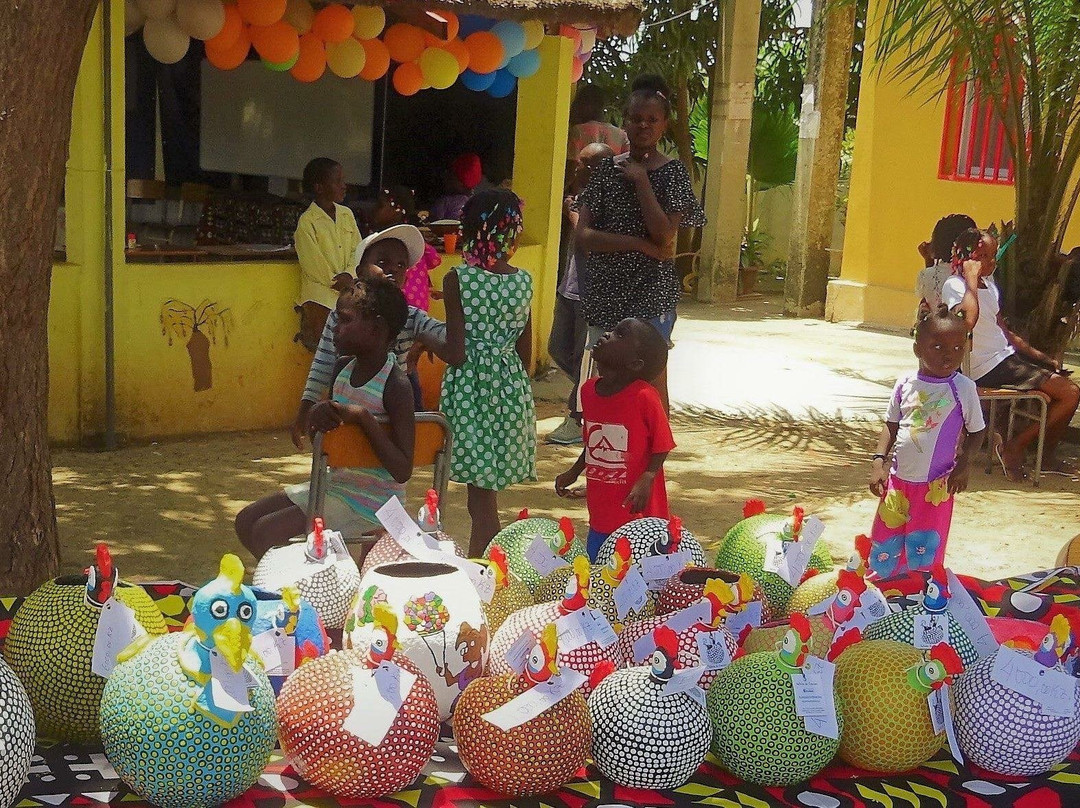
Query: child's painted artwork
[[198, 327]]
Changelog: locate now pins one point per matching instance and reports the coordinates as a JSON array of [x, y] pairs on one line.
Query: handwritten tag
[[682, 680], [573, 630], [599, 630], [657, 569], [377, 698], [931, 629], [970, 617], [680, 621], [942, 720], [788, 559], [820, 717], [117, 629], [712, 650], [1053, 690], [809, 697], [277, 650], [631, 594], [541, 557], [517, 655], [483, 578], [750, 616], [229, 688], [534, 701], [402, 529]]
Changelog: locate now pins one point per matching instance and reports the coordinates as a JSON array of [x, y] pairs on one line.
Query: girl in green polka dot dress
[[486, 392]]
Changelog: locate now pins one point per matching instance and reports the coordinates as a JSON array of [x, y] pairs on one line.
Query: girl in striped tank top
[[370, 315]]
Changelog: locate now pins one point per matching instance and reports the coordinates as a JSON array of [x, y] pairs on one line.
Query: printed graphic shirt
[[621, 434]]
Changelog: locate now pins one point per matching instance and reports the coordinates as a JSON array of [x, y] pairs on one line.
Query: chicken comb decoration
[[1058, 643], [430, 518], [523, 514], [615, 570], [101, 577], [795, 647], [317, 551], [863, 545], [665, 659], [753, 507], [936, 595], [543, 661], [850, 587], [499, 564], [577, 588], [384, 639], [566, 530], [792, 531], [941, 666]]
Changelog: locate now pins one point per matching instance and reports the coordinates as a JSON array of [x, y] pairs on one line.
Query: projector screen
[[256, 121]]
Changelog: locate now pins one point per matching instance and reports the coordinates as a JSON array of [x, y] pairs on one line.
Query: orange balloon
[[408, 80], [232, 57], [405, 42], [333, 24], [431, 41], [230, 33], [377, 62], [275, 43], [452, 24], [461, 53], [261, 12], [485, 51], [311, 63]]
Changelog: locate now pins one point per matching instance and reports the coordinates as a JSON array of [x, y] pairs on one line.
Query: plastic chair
[[348, 447], [430, 369]]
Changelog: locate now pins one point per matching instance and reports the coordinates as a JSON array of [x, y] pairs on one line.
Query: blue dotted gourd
[[169, 731], [50, 647], [515, 539], [650, 536], [743, 550], [16, 735]]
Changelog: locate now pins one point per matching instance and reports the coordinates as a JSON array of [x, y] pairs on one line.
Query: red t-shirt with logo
[[621, 434]]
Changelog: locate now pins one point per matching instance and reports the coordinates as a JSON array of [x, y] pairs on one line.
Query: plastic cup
[[449, 242]]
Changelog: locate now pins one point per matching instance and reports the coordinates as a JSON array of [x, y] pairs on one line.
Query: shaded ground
[[776, 409]]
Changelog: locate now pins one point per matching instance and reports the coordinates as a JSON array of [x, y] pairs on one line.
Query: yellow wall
[[258, 374], [896, 198]]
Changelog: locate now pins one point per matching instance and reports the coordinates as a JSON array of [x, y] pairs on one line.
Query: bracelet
[[877, 457]]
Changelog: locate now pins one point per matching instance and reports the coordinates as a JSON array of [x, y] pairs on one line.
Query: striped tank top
[[364, 490]]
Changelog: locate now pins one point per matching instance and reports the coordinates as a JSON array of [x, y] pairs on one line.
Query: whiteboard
[[256, 121]]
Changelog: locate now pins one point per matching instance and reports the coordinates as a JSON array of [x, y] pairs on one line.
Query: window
[[974, 144]]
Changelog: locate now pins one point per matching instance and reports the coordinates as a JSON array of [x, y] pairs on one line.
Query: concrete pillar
[[821, 133], [729, 147]]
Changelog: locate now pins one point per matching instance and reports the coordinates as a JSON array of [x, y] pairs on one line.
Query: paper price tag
[[402, 529], [750, 616], [809, 697], [573, 630], [483, 578], [931, 629], [337, 545], [712, 650], [536, 700], [541, 557], [1053, 690], [229, 688], [937, 712], [631, 594], [517, 655], [774, 555], [825, 725], [942, 720], [277, 650], [822, 607], [377, 699], [819, 700], [657, 569], [117, 629], [788, 559], [680, 621], [970, 617], [682, 680], [599, 630]]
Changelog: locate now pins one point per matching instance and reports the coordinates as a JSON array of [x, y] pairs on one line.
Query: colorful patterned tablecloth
[[80, 776]]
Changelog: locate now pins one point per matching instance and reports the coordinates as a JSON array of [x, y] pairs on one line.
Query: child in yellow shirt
[[326, 239]]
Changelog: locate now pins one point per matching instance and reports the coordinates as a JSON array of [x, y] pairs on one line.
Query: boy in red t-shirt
[[626, 432]]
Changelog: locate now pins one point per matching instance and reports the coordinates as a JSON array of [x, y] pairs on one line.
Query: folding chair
[[348, 447]]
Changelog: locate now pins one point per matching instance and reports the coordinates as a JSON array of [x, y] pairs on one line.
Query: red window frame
[[973, 128]]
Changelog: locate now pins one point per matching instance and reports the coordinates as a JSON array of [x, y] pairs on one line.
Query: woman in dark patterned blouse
[[629, 216]]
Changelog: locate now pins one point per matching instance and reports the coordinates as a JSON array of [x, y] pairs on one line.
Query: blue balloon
[[512, 36], [478, 81], [503, 85], [525, 64], [470, 24]]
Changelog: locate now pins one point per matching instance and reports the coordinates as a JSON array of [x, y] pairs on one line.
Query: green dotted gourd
[[743, 550], [516, 538], [756, 733], [767, 638], [50, 648], [900, 626], [16, 735]]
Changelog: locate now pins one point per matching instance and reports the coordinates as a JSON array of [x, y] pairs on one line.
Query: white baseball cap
[[405, 233]]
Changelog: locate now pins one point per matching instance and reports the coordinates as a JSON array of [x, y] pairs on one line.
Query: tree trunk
[[41, 44], [1035, 308], [684, 140]]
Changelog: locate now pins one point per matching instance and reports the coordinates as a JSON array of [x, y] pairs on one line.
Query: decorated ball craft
[[653, 536], [16, 735], [511, 593], [516, 539], [611, 588], [820, 588]]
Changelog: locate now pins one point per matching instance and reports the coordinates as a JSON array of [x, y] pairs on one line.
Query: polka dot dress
[[488, 399], [1005, 732], [329, 588], [642, 738], [688, 587], [167, 751], [900, 626], [319, 697], [643, 535], [756, 733], [535, 758], [689, 655], [515, 539], [50, 648], [16, 735]]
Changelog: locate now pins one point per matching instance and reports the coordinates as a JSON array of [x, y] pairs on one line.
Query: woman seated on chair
[[1000, 358], [369, 317]]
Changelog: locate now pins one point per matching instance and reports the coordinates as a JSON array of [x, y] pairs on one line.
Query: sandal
[[1014, 474]]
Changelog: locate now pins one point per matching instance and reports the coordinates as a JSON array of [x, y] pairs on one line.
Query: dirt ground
[[167, 509]]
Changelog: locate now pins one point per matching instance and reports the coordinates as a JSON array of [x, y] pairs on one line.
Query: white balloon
[[133, 17], [156, 9], [202, 19], [165, 40]]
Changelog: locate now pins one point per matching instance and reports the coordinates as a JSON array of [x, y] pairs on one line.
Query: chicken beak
[[232, 639]]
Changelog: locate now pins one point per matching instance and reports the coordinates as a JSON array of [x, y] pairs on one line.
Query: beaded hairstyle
[[965, 245], [941, 315], [490, 225]]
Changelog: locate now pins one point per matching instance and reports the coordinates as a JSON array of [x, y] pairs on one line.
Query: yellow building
[[255, 369], [918, 156]]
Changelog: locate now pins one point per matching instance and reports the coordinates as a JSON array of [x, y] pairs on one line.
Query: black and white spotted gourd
[[643, 738], [644, 535], [329, 585], [900, 626], [17, 734]]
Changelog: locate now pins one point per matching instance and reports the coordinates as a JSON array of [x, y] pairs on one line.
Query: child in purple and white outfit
[[928, 416]]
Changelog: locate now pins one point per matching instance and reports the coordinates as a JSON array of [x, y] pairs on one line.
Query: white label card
[[631, 594], [337, 545], [535, 700], [483, 578], [817, 698], [680, 621], [970, 617], [377, 698], [277, 650], [117, 629], [1053, 690], [405, 531], [941, 717], [541, 557], [229, 688], [517, 655], [931, 629], [788, 559], [822, 607], [682, 680], [657, 569], [573, 630], [750, 616], [599, 630], [712, 650]]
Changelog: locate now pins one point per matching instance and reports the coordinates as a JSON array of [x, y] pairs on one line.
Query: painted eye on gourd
[[219, 609], [244, 612]]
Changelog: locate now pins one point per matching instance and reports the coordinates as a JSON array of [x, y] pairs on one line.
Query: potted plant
[[752, 256]]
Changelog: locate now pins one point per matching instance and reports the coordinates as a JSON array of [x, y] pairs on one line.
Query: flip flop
[[1012, 473]]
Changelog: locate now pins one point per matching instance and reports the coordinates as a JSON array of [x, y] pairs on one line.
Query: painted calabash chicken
[[515, 540], [290, 615], [386, 550], [173, 704], [653, 536], [606, 579], [511, 593]]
